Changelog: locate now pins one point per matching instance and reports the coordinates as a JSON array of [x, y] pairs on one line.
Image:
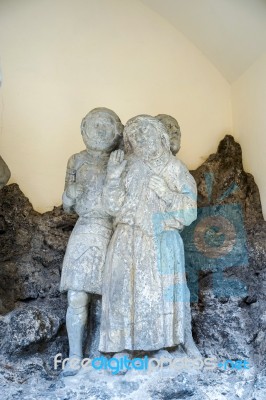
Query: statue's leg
[[189, 345], [76, 321]]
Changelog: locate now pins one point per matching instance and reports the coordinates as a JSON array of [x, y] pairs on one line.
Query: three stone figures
[[126, 245]]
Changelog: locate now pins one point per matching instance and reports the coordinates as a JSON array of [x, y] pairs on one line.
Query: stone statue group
[[133, 197]]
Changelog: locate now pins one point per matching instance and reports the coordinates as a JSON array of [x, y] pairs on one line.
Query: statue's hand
[[74, 191], [116, 164], [160, 187]]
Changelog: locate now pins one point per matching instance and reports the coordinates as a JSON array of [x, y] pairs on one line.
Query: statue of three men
[[126, 245]]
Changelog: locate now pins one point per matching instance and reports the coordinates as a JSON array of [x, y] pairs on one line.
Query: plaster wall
[[249, 116], [60, 59]]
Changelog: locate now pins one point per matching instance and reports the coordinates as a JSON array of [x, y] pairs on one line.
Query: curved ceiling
[[231, 33]]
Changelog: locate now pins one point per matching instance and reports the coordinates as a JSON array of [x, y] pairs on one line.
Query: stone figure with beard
[[152, 196]]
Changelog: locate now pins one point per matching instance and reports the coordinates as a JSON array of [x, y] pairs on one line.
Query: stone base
[[164, 383]]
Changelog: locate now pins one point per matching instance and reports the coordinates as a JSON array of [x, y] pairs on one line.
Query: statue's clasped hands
[[116, 164]]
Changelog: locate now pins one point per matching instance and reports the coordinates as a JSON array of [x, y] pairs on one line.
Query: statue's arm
[[183, 201], [68, 198], [4, 173], [113, 195], [178, 190], [114, 190]]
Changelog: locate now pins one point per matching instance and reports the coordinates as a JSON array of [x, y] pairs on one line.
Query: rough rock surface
[[32, 321], [226, 257], [221, 179], [229, 320], [229, 316]]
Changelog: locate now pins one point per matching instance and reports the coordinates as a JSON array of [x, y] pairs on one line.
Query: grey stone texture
[[4, 173]]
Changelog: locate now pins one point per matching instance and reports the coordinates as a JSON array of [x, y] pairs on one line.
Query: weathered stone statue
[[174, 134], [152, 196], [4, 173], [173, 130], [101, 131]]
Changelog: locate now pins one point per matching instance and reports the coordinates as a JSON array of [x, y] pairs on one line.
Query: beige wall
[[61, 58], [249, 114]]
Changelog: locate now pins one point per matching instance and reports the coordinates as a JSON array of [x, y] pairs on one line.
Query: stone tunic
[[145, 293], [85, 255]]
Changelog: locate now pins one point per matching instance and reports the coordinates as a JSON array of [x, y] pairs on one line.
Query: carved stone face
[[174, 136], [145, 140], [173, 131], [99, 132]]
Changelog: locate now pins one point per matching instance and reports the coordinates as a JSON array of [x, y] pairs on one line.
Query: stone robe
[[145, 293]]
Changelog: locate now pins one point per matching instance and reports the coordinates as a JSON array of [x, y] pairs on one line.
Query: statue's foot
[[122, 365], [191, 349], [164, 356], [178, 352], [72, 366]]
